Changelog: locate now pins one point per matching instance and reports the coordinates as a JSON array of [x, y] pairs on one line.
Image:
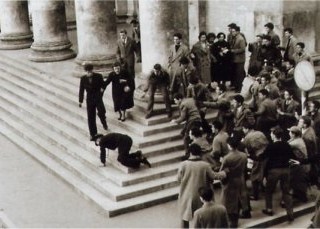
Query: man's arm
[[183, 115], [261, 110], [118, 52]]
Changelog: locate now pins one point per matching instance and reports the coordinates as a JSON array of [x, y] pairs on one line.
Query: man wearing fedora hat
[[123, 143]]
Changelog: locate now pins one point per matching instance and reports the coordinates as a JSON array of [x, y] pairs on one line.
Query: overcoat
[[234, 164], [193, 174], [121, 100], [126, 53], [202, 62], [174, 58]]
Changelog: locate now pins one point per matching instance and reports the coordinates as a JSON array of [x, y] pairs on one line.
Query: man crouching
[[123, 143]]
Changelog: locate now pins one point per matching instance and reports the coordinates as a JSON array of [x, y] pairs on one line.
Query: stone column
[[15, 28], [51, 41], [97, 34], [194, 23], [159, 20]]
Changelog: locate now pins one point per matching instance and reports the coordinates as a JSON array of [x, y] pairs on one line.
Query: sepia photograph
[[160, 113]]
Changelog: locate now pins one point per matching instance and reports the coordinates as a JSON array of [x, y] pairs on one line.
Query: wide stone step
[[110, 208], [67, 89], [53, 104], [167, 158], [91, 174], [63, 99], [79, 140]]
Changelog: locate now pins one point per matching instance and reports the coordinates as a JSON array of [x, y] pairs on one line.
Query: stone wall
[[302, 17]]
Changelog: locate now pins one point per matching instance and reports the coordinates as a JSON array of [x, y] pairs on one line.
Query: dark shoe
[[245, 215], [145, 161], [92, 138], [105, 126], [120, 117], [267, 212], [148, 115], [139, 154], [290, 218], [185, 157], [123, 119]]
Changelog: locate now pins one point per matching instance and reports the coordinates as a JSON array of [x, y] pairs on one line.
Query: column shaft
[[97, 34], [15, 29], [51, 41], [159, 20]]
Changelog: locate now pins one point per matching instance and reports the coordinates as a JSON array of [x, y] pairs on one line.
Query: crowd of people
[[261, 121], [260, 118]]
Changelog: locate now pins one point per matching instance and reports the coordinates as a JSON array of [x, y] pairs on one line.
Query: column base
[[51, 56], [15, 41], [50, 52], [103, 67]]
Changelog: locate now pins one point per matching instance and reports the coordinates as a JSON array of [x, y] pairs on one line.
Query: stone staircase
[[40, 114]]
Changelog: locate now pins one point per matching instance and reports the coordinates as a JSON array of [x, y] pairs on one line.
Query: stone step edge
[[280, 217], [111, 208], [40, 75], [131, 127], [131, 191], [168, 152], [8, 61], [122, 193], [173, 133]]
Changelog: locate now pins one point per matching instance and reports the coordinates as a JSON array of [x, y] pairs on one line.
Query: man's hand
[[143, 95], [80, 104], [173, 121], [294, 162]]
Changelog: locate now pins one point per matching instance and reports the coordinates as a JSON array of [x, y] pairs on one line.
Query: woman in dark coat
[[201, 57], [122, 90], [223, 58]]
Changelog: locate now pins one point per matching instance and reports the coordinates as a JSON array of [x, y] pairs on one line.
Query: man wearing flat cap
[[93, 84]]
